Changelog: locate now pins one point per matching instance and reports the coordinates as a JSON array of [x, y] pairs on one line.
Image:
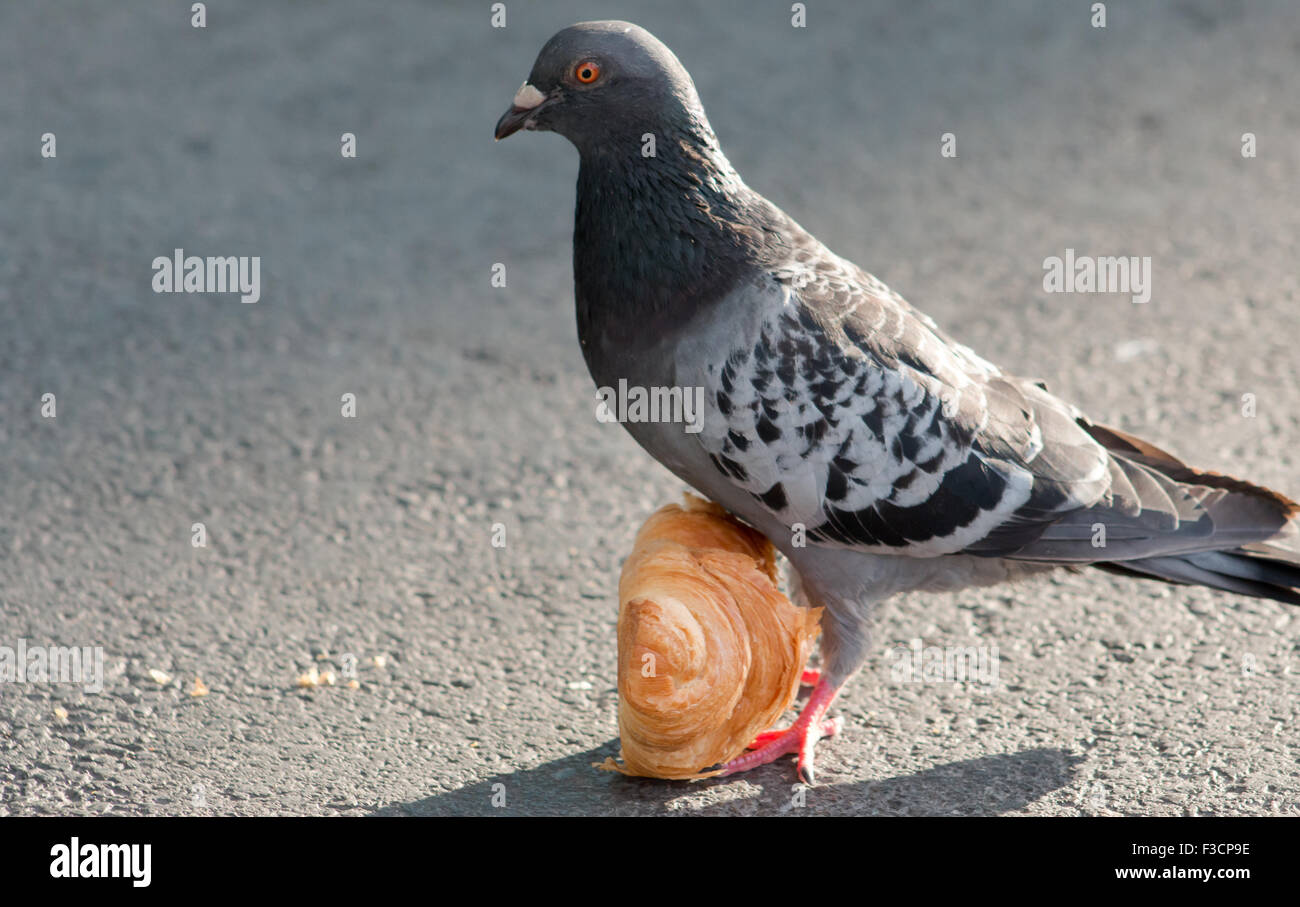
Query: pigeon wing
[[852, 414]]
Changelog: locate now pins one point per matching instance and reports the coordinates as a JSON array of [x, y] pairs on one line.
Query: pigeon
[[878, 454]]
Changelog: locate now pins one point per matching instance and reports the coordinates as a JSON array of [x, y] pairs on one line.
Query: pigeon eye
[[586, 72]]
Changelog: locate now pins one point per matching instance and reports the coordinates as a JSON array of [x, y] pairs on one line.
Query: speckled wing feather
[[853, 415]]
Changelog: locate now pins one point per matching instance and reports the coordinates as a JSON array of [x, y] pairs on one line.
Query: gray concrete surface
[[333, 539]]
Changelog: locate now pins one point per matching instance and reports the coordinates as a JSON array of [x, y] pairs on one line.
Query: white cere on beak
[[527, 97]]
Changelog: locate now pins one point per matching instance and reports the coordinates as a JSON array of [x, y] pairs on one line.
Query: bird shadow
[[983, 786]]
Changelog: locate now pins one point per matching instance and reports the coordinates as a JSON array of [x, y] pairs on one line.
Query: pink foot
[[810, 677], [800, 737], [829, 726]]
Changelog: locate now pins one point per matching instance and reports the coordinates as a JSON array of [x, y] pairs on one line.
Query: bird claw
[[801, 737], [830, 727]]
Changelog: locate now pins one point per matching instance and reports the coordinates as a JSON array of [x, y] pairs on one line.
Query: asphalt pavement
[[455, 676]]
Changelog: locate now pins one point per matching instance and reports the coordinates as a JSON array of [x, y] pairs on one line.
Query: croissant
[[710, 652]]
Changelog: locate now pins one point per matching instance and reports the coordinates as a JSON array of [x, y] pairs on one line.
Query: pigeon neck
[[658, 238]]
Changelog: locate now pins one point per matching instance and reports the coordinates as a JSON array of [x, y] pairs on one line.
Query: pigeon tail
[[1237, 571], [1255, 526]]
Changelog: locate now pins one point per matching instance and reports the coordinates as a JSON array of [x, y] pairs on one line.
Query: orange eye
[[586, 72]]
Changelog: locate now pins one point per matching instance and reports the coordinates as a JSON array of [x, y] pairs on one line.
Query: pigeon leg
[[810, 677], [829, 726], [800, 737]]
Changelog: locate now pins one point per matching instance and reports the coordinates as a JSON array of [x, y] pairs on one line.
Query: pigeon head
[[659, 226], [601, 82]]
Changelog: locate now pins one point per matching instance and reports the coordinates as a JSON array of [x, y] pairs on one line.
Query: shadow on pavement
[[985, 786]]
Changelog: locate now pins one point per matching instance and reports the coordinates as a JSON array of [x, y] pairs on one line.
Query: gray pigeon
[[879, 455]]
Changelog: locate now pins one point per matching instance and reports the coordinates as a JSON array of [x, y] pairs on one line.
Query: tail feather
[[1253, 547], [1232, 571]]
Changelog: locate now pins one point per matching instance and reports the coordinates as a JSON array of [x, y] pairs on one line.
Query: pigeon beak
[[528, 100]]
